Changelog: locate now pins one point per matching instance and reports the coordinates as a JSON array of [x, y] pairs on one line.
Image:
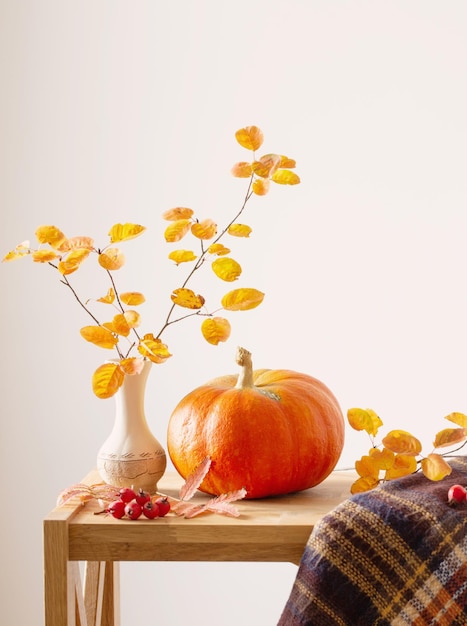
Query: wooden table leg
[[102, 593], [59, 576]]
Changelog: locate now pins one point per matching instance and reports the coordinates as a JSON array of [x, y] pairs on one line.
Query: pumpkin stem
[[245, 377]]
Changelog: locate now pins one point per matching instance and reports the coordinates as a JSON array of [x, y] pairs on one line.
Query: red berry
[[150, 510], [142, 497], [133, 510], [456, 494], [164, 506], [116, 509], [126, 494]]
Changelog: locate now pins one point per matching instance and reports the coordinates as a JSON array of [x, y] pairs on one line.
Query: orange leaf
[[182, 256], [204, 230], [404, 464], [266, 165], [177, 230], [123, 232], [215, 329], [111, 259], [226, 268], [402, 442], [119, 325], [179, 213], [43, 256], [132, 298], [384, 459], [250, 137], [458, 418], [449, 437], [133, 318], [51, 235], [285, 177], [364, 419], [73, 261], [363, 484], [107, 380], [219, 249], [108, 298], [260, 186], [132, 365], [153, 349], [286, 162], [76, 242], [99, 336], [242, 299], [367, 467], [239, 230], [435, 467], [242, 169], [187, 298]]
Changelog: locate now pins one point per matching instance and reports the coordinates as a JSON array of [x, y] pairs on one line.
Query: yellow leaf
[[182, 256], [242, 299], [363, 484], [287, 163], [133, 318], [250, 137], [215, 329], [132, 365], [266, 165], [384, 459], [435, 467], [402, 442], [73, 261], [119, 325], [76, 242], [108, 298], [242, 169], [177, 230], [449, 437], [153, 349], [367, 468], [239, 230], [132, 298], [219, 249], [123, 232], [260, 186], [364, 419], [204, 230], [107, 380], [44, 256], [187, 298], [404, 464], [226, 268], [179, 213], [458, 418], [111, 259], [51, 235], [285, 177], [13, 255], [99, 336]]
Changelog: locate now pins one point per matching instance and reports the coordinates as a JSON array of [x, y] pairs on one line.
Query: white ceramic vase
[[131, 456]]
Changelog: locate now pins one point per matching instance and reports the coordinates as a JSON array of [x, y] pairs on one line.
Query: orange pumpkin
[[269, 431]]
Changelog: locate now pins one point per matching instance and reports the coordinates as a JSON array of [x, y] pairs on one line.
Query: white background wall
[[116, 111]]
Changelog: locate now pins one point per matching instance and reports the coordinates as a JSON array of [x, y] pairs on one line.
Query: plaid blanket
[[395, 556]]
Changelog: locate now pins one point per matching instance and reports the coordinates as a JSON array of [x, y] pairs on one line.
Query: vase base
[[134, 473]]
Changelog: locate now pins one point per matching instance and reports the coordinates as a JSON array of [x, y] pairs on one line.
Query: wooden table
[[272, 529]]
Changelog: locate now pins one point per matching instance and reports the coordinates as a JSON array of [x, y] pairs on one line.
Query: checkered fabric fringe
[[393, 556]]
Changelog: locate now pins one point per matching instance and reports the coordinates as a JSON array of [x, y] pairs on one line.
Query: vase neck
[[129, 399]]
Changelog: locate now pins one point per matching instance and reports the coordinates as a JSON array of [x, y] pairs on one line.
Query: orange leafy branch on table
[[399, 453], [66, 255], [181, 506]]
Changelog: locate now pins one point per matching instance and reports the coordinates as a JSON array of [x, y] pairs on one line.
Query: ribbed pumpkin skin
[[285, 434]]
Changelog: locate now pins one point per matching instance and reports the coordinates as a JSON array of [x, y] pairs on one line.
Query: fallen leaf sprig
[[400, 453], [105, 494]]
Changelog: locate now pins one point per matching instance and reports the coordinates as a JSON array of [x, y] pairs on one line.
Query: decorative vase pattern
[[131, 456]]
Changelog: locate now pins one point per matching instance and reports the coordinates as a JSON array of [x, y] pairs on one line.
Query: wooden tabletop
[[270, 529]]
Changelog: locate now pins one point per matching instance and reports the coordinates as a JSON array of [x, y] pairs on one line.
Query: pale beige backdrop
[[116, 111]]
